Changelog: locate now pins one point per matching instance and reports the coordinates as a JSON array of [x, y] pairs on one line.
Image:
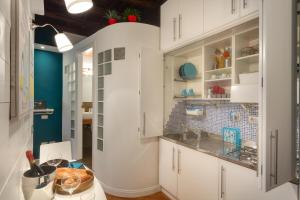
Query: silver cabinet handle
[[144, 124], [178, 161], [173, 159], [222, 182], [232, 6], [245, 4], [274, 174], [180, 26], [174, 28]]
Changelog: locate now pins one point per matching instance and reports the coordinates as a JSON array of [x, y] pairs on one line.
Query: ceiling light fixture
[[78, 6], [62, 41]]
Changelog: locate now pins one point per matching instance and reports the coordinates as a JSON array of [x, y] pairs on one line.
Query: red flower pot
[[112, 21], [132, 18]]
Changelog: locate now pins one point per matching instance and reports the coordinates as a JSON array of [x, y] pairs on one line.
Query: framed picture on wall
[[21, 61]]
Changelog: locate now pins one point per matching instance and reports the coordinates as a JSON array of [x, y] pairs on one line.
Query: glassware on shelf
[[247, 51], [227, 57]]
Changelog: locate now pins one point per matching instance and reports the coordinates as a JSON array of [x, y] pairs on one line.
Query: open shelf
[[188, 80], [226, 69], [246, 63], [249, 59], [218, 70], [188, 97], [218, 80], [214, 67], [217, 99]]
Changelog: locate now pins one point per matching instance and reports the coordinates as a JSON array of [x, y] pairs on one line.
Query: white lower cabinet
[[168, 166], [237, 182], [187, 174], [197, 175]]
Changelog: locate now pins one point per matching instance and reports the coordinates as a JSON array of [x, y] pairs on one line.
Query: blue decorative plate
[[188, 71]]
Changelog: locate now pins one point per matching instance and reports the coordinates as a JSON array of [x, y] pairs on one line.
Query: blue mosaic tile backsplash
[[217, 116]]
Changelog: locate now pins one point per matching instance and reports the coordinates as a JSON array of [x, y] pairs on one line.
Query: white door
[[168, 166], [190, 19], [169, 24], [151, 92], [219, 12], [248, 7], [198, 175], [237, 182], [279, 93]]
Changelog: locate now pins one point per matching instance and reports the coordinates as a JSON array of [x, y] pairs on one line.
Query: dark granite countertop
[[211, 144]]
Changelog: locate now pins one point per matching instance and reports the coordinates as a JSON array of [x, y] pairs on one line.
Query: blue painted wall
[[48, 87]]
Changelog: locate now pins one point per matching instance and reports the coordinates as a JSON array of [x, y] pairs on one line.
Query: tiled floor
[[157, 196]]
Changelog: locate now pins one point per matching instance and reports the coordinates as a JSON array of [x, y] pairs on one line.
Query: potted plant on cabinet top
[[112, 17], [132, 15]]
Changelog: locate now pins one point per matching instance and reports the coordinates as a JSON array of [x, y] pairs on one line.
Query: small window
[[107, 68], [100, 132], [107, 56], [100, 95], [100, 58], [100, 145], [119, 53], [100, 70], [101, 82]]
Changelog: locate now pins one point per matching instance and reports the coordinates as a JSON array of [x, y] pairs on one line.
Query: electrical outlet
[[252, 120]]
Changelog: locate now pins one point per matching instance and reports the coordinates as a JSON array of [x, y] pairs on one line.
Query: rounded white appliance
[[128, 164]]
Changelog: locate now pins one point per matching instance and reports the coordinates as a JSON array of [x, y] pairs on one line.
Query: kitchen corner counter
[[212, 145]]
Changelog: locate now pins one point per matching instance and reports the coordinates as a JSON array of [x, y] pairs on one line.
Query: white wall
[[87, 80], [15, 136], [87, 83]]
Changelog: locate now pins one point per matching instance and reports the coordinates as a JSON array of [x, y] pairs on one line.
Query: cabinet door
[[248, 6], [237, 182], [278, 93], [151, 93], [190, 19], [168, 166], [197, 175], [169, 24], [219, 12]]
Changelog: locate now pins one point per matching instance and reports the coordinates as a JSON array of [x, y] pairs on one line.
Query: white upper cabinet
[[151, 92], [181, 20], [279, 93], [168, 166], [197, 175], [248, 6], [169, 23], [190, 19], [185, 20], [219, 12]]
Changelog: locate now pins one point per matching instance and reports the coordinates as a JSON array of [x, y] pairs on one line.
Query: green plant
[[131, 11], [112, 14]]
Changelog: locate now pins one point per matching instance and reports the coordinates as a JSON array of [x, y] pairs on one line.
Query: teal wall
[[48, 87]]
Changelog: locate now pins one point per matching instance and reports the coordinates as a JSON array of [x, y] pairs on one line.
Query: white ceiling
[[37, 7]]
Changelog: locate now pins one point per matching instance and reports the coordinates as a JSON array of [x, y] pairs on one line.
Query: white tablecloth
[[95, 191]]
